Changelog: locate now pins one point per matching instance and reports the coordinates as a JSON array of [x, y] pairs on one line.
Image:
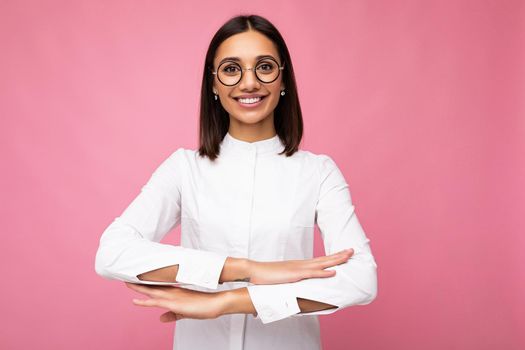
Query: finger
[[333, 259], [152, 287], [344, 251], [344, 254], [137, 287], [322, 273], [131, 285], [148, 290], [167, 304], [333, 256], [168, 317], [334, 262]]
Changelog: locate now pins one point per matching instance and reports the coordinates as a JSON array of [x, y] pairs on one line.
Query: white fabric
[[251, 203]]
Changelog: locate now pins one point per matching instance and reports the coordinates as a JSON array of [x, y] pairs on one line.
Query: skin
[[186, 303], [247, 124]]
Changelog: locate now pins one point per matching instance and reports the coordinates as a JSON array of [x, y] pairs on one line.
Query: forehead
[[246, 46]]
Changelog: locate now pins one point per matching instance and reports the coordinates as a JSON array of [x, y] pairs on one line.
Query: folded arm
[[355, 282], [234, 269], [238, 300], [129, 248], [130, 251]]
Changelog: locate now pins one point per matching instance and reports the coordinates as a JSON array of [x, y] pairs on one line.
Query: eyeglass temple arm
[[280, 67]]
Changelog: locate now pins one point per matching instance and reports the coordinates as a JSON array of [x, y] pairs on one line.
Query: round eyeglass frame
[[245, 69]]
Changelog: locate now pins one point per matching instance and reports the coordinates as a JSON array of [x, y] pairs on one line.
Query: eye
[[266, 67], [230, 69]]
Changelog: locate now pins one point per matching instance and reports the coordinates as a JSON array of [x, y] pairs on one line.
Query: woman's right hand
[[275, 272]]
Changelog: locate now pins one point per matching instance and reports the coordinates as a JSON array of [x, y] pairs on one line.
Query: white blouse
[[250, 203]]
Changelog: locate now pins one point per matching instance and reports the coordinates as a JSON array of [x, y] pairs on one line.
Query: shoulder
[[174, 163], [323, 162], [187, 160], [182, 155]]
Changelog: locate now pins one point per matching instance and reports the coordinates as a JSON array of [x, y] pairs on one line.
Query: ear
[[214, 88]]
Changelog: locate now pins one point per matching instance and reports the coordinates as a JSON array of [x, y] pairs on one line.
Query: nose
[[249, 80]]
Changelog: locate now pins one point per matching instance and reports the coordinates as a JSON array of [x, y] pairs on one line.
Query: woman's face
[[246, 47]]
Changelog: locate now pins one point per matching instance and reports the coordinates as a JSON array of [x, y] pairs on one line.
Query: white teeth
[[249, 100]]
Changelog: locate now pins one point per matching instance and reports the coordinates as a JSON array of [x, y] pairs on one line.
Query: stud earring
[[216, 97], [282, 92]]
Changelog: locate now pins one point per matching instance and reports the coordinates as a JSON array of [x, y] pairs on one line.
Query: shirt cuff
[[272, 302], [201, 268]]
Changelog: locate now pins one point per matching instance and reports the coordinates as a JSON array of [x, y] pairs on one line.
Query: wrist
[[236, 301]]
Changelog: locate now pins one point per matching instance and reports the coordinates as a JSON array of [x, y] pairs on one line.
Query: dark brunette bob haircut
[[214, 119]]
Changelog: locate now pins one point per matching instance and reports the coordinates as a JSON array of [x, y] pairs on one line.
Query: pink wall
[[420, 102]]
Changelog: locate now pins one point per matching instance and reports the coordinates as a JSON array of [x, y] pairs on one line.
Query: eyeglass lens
[[229, 73]]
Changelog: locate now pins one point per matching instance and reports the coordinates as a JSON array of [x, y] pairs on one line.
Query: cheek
[[275, 95], [274, 101]]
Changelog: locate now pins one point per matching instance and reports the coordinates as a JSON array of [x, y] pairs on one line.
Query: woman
[[244, 276]]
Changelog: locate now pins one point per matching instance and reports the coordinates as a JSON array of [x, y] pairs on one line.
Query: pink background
[[421, 103]]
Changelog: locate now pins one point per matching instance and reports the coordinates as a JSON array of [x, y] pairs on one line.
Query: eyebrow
[[237, 59]]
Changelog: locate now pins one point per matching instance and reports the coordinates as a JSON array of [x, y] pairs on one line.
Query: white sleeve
[[130, 245], [355, 282]]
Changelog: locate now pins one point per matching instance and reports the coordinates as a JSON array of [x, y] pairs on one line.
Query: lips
[[250, 96], [250, 105]]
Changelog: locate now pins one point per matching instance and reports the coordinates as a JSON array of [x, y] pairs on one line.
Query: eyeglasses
[[266, 70]]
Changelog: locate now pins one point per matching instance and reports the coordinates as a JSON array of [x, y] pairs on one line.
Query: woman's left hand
[[181, 302]]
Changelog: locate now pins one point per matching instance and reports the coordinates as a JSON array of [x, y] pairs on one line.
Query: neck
[[252, 132]]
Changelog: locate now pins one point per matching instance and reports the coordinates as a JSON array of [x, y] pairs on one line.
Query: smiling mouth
[[250, 102]]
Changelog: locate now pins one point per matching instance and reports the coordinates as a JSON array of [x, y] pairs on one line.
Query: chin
[[250, 117], [248, 120]]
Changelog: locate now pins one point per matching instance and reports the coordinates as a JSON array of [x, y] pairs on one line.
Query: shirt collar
[[272, 145]]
